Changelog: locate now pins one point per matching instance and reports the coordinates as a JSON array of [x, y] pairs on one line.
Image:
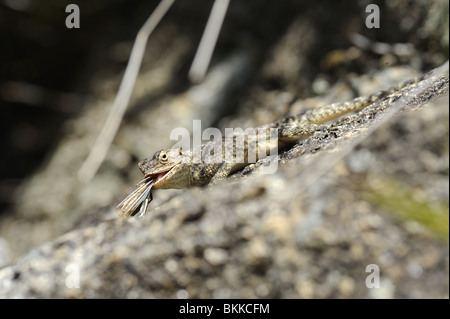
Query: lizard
[[175, 168]]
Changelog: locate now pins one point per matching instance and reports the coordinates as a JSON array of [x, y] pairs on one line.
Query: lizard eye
[[163, 157]]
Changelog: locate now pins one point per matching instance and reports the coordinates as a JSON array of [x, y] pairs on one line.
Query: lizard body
[[214, 161], [175, 168]]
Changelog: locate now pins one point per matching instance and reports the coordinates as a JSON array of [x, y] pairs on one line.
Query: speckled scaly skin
[[175, 168]]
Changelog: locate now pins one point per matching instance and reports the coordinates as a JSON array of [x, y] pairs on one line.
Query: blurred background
[[57, 85]]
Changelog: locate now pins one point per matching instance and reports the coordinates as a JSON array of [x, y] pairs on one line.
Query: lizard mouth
[[159, 176]]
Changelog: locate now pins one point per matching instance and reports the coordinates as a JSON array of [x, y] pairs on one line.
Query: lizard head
[[169, 169]]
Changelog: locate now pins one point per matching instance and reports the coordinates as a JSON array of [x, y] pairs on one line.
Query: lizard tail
[[332, 111]]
